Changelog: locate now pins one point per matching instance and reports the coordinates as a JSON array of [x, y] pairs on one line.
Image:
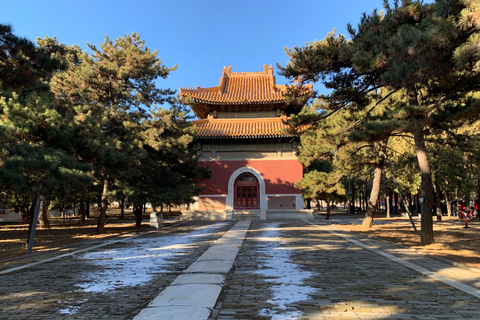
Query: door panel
[[246, 197], [246, 192]]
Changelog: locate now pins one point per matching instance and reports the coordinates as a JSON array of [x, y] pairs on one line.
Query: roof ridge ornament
[[268, 72], [226, 72]]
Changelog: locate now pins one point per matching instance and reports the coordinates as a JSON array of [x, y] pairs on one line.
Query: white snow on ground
[[71, 309], [138, 263], [279, 266]]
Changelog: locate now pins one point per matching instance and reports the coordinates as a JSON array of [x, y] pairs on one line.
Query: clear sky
[[199, 36]]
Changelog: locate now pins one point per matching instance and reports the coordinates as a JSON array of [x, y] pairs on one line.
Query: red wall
[[279, 175]]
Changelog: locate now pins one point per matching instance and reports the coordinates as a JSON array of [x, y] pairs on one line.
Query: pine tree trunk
[[103, 211], [426, 233], [137, 211], [122, 208], [387, 203], [438, 204], [449, 206], [44, 223], [374, 194], [467, 201], [372, 206], [31, 212], [353, 197], [87, 209], [390, 199], [83, 206], [419, 205], [81, 214], [410, 202], [64, 205], [395, 198], [328, 211], [415, 203], [309, 203]]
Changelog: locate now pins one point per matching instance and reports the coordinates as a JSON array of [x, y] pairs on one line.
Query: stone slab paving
[[65, 287], [291, 269], [192, 295], [345, 277]]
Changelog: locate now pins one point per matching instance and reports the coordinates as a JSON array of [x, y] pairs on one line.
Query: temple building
[[241, 138]]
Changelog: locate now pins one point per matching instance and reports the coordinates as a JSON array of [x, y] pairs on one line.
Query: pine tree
[[359, 140], [428, 53], [31, 126], [23, 64], [131, 142], [167, 172]]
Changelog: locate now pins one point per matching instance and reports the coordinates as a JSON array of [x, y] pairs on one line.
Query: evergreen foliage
[[81, 121], [22, 64], [426, 53]]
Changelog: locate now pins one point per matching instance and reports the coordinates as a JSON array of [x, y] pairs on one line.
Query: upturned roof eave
[[237, 102], [222, 137]]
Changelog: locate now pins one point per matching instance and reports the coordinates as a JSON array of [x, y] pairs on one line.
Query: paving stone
[[344, 276], [48, 289], [346, 281]]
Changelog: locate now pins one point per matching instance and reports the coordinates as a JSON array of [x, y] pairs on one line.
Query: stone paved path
[[75, 286], [284, 270], [345, 280]]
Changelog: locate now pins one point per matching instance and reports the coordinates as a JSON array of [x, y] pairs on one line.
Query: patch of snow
[[279, 267], [137, 263], [71, 309]]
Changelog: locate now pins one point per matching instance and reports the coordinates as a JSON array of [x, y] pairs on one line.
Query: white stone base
[[204, 215], [156, 220], [290, 214], [246, 214]]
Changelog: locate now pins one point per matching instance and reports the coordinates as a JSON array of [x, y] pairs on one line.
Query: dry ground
[[14, 234], [453, 242]]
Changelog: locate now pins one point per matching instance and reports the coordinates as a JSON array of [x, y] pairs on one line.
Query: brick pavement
[[284, 270], [53, 290], [349, 281]]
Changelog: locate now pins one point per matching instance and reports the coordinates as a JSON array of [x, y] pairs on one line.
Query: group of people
[[459, 209]]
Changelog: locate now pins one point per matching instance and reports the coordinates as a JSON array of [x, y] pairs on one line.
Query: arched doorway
[[246, 192]]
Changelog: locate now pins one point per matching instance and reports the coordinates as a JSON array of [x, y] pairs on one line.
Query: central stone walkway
[[295, 269], [193, 294]]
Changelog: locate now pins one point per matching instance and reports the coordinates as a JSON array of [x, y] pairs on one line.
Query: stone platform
[[246, 214]]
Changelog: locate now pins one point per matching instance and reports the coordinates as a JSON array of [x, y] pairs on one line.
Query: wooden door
[[246, 192]]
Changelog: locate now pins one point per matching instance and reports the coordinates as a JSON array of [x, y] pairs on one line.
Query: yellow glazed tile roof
[[241, 128], [240, 88]]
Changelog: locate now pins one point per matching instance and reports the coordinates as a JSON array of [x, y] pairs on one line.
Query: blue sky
[[199, 36]]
